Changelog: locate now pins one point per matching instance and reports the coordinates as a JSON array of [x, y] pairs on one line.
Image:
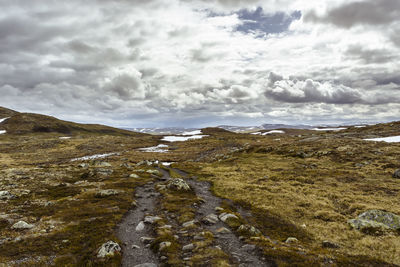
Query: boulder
[[178, 184], [248, 230], [108, 249], [396, 174], [21, 225], [376, 221], [210, 219], [6, 195]]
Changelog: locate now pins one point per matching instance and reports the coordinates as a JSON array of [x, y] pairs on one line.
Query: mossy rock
[[376, 222]]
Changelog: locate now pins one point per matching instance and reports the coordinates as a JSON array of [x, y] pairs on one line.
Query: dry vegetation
[[300, 184]]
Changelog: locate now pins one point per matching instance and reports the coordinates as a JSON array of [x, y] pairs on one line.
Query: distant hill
[[25, 123]]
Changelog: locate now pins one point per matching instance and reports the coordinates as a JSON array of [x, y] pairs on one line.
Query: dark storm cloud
[[258, 20], [370, 12]]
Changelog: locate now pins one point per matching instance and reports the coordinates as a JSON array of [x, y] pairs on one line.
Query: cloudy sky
[[194, 63]]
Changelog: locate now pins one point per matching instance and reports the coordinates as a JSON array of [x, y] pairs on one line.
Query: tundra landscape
[[91, 195], [200, 133]]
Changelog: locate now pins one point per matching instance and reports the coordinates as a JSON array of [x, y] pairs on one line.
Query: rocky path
[[137, 230]]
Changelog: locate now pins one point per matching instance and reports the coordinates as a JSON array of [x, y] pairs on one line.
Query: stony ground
[[227, 200]]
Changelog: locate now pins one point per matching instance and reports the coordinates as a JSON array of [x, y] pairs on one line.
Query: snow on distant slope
[[329, 129], [155, 149], [195, 132], [182, 138], [390, 139], [274, 132], [97, 156]]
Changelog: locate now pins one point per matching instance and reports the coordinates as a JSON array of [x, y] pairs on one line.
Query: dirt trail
[[126, 232], [240, 253], [229, 242]]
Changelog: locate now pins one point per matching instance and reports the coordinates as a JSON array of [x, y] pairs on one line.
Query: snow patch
[[167, 163], [360, 126], [329, 129], [1, 120], [196, 132], [155, 149], [391, 139], [257, 133], [274, 132], [64, 137], [3, 131], [97, 156], [182, 138]]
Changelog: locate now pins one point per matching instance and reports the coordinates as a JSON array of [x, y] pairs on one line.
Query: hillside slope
[[25, 123]]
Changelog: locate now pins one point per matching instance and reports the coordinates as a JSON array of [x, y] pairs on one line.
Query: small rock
[[218, 209], [291, 240], [225, 216], [164, 245], [223, 230], [108, 249], [134, 176], [101, 164], [163, 258], [396, 174], [135, 247], [146, 240], [21, 225], [152, 219], [178, 184], [165, 227], [189, 247], [83, 165], [210, 219], [6, 195], [140, 227], [328, 244], [155, 172], [189, 224]]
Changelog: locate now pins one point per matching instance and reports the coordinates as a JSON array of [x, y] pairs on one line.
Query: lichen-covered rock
[[178, 185], [376, 221], [108, 249], [21, 225], [107, 193], [6, 195], [248, 230], [396, 174]]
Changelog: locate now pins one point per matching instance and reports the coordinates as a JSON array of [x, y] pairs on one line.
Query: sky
[[197, 63]]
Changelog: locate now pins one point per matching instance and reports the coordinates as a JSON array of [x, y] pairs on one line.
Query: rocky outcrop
[[6, 195], [108, 249], [375, 222]]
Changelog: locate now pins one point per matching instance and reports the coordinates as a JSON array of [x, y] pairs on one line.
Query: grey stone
[[140, 227], [6, 195], [396, 174], [107, 193], [178, 184], [226, 216], [22, 225], [152, 219], [108, 249], [376, 221], [146, 240], [188, 247], [210, 219]]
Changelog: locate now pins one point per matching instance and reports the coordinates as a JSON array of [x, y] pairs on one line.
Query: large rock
[[396, 174], [108, 249], [210, 219], [6, 195], [21, 225], [178, 184], [376, 221], [227, 216], [248, 230]]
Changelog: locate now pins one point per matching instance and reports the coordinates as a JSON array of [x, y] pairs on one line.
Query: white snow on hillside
[[182, 138], [391, 139], [155, 149], [274, 132], [97, 156], [329, 129], [196, 132], [3, 131], [1, 120]]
